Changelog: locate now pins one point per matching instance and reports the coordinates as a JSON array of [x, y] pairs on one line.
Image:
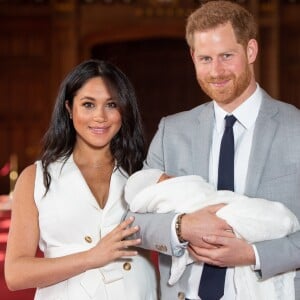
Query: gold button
[[88, 239], [127, 266]]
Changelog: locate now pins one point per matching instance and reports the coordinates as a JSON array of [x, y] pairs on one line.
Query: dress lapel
[[81, 185], [116, 190]]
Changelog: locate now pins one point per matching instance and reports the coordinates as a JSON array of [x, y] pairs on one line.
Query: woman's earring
[[70, 116]]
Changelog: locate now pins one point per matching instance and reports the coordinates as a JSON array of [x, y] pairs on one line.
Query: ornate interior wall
[[41, 40]]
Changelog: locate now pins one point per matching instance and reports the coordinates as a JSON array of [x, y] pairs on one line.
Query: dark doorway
[[162, 73]]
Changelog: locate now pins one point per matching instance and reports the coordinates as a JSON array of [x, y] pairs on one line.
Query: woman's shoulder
[[28, 174], [25, 182]]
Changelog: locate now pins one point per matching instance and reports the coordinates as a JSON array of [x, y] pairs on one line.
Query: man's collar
[[246, 113]]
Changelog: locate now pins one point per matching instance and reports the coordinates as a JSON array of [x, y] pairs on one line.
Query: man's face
[[223, 65]]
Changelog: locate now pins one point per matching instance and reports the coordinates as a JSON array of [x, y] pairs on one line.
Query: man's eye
[[227, 56], [204, 59]]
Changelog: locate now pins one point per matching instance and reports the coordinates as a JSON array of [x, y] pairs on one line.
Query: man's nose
[[217, 68]]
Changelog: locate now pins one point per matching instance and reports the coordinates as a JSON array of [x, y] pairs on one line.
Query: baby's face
[[163, 177]]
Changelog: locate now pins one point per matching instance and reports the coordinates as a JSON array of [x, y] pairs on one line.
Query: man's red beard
[[233, 88]]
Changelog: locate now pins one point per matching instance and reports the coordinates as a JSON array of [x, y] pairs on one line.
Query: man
[[222, 40]]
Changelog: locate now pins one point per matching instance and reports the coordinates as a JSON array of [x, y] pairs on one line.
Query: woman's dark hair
[[127, 147]]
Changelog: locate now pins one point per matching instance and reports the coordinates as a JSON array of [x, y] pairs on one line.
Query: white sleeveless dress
[[71, 221]]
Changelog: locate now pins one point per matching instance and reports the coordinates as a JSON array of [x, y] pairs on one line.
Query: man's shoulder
[[189, 115], [288, 114], [283, 112], [280, 105]]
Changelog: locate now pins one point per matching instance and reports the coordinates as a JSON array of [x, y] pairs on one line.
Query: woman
[[71, 203]]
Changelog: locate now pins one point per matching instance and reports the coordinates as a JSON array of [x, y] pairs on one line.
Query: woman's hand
[[114, 245]]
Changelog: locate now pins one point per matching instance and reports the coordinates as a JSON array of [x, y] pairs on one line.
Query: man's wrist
[[178, 228]]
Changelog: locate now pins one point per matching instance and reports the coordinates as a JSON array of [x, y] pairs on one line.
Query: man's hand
[[203, 222], [224, 252]]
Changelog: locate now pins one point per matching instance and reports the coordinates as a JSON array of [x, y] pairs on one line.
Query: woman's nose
[[100, 115]]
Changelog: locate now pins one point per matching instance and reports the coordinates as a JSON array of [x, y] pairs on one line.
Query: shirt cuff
[[256, 267]]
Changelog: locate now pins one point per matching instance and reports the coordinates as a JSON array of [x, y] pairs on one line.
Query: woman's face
[[95, 113]]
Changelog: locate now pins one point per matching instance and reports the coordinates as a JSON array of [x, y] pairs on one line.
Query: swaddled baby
[[252, 219]]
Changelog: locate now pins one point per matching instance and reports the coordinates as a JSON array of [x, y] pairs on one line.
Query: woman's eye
[[88, 104], [112, 105]]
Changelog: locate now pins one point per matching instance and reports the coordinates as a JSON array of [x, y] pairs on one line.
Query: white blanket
[[252, 219]]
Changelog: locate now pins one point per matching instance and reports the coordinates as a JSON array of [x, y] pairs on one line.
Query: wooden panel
[[25, 55], [290, 66], [162, 72], [41, 40]]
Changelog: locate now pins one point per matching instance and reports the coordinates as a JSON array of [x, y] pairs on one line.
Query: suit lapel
[[202, 139], [265, 129]]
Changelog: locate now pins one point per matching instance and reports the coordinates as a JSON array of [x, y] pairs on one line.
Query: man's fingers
[[227, 233], [208, 256], [198, 257], [215, 240], [215, 207]]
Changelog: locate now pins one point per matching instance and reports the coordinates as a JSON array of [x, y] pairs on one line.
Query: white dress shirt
[[243, 129]]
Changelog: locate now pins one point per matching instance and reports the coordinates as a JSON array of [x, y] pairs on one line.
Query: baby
[[252, 219]]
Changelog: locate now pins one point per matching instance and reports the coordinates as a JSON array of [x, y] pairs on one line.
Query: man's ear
[[192, 52], [252, 50]]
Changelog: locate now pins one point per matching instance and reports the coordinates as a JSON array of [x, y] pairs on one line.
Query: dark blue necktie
[[213, 278]]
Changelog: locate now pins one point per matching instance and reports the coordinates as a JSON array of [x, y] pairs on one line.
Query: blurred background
[[41, 40]]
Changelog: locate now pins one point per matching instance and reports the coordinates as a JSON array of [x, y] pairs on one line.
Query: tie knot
[[230, 120]]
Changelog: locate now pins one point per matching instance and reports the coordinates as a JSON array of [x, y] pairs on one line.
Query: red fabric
[[4, 292]]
